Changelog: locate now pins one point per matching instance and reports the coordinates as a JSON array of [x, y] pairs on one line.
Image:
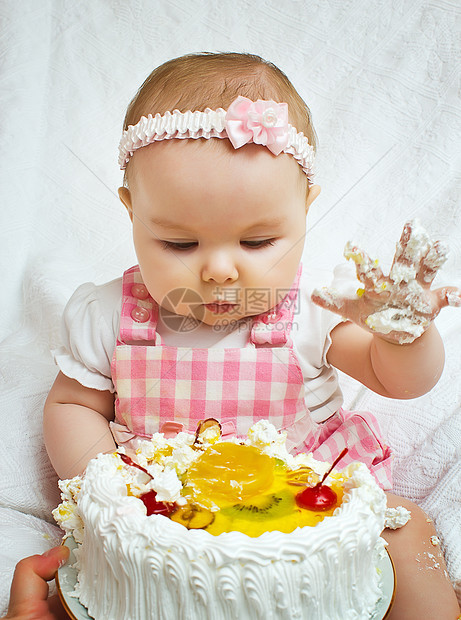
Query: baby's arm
[[76, 425], [392, 370]]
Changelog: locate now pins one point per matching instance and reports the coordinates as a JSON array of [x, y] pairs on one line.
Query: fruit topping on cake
[[320, 497], [251, 484], [208, 431], [153, 506], [193, 516]]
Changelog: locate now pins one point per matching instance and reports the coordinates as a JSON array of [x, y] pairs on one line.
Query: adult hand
[[401, 306], [29, 589]]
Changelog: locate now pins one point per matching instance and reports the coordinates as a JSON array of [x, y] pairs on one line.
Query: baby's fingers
[[416, 256], [347, 307], [432, 262], [447, 296], [328, 299], [414, 242], [368, 271]]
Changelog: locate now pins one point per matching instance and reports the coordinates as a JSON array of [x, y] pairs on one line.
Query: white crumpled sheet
[[383, 82]]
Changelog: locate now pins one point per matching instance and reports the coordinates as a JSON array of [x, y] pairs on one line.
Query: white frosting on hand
[[407, 258], [408, 313], [397, 320], [398, 305], [345, 282], [454, 299]]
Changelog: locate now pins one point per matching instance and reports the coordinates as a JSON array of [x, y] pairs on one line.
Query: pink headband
[[245, 122]]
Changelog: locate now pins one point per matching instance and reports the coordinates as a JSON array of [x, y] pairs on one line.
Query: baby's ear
[[125, 197], [314, 191]]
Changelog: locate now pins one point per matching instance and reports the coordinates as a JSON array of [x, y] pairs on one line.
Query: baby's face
[[226, 226]]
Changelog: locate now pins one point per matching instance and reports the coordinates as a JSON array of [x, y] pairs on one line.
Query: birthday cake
[[201, 526]]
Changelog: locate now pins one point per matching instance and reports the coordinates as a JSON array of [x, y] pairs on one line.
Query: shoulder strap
[[139, 315]]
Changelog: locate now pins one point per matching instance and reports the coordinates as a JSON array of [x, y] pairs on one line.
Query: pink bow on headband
[[261, 122]]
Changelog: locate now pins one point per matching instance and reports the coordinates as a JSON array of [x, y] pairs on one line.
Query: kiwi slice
[[262, 508]]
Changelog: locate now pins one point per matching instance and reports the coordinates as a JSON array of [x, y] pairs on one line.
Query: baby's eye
[[179, 245], [258, 243]]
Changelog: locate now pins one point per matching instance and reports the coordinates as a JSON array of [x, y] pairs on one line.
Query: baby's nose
[[220, 268]]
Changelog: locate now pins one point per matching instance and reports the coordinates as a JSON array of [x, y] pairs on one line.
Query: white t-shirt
[[90, 327]]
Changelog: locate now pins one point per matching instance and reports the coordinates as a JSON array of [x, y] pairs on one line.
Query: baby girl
[[218, 318]]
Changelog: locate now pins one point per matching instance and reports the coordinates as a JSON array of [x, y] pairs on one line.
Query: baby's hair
[[214, 80]]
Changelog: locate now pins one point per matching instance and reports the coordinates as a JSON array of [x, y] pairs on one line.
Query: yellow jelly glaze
[[251, 492]]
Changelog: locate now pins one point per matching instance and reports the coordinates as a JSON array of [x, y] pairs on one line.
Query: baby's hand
[[401, 306]]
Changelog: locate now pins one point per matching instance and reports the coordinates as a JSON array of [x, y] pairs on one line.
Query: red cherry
[[150, 498], [153, 506], [318, 498]]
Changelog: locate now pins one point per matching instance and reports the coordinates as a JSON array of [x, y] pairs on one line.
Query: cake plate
[[66, 578]]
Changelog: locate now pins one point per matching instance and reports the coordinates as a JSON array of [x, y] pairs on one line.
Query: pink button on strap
[[140, 315], [272, 318], [139, 291]]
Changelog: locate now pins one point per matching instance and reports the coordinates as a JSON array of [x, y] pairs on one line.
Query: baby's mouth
[[220, 307]]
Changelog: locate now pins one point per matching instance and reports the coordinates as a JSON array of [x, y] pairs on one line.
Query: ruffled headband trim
[[245, 122]]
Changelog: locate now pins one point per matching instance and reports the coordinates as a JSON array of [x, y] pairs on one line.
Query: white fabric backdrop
[[383, 82]]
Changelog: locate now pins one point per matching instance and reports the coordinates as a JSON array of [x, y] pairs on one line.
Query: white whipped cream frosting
[[406, 311], [397, 517], [148, 567]]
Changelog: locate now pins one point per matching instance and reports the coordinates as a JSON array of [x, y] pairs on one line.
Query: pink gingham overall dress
[[160, 388]]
